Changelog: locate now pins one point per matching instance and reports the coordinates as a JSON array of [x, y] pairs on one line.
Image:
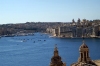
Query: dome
[[83, 46]]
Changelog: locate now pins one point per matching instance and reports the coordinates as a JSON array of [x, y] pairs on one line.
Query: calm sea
[[37, 50]]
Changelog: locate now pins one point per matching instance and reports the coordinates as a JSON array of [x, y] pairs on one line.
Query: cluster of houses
[[77, 29]]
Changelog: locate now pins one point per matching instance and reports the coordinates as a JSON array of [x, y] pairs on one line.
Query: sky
[[21, 11]]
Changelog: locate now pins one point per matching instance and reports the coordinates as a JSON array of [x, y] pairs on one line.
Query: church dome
[[83, 46]]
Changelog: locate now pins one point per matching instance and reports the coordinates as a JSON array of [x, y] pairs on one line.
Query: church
[[56, 59], [83, 60]]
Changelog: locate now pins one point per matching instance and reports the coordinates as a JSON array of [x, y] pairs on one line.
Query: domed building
[[56, 59], [84, 59]]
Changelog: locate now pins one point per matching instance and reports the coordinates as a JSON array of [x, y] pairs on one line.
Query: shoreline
[[76, 37]]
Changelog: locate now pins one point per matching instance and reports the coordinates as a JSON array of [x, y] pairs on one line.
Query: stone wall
[[97, 62]]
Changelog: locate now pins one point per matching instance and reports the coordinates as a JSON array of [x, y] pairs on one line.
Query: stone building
[[79, 31], [56, 59], [84, 59], [66, 32], [57, 31]]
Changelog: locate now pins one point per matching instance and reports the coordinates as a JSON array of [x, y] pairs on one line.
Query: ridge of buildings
[[76, 29]]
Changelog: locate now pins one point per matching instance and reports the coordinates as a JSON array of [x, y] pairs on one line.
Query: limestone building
[[84, 59], [56, 59]]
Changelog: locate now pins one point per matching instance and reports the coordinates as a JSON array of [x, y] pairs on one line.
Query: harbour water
[[37, 50]]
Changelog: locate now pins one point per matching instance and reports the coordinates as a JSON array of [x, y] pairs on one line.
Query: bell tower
[[56, 51], [84, 53], [56, 59], [84, 58]]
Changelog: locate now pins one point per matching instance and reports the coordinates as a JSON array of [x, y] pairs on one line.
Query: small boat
[[24, 41], [34, 41]]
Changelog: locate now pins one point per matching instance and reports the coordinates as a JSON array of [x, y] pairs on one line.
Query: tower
[[84, 53], [56, 59], [59, 31], [84, 59], [73, 21], [93, 32]]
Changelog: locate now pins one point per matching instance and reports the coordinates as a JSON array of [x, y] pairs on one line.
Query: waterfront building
[[48, 30], [79, 31], [84, 59], [99, 31], [58, 31], [93, 32], [66, 32], [56, 59], [74, 29], [53, 32]]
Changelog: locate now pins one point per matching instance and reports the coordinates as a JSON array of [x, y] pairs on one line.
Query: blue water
[[37, 52]]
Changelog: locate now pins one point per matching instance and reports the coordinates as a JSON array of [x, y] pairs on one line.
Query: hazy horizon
[[22, 11]]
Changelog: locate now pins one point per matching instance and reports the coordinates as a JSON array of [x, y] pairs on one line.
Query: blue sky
[[21, 11]]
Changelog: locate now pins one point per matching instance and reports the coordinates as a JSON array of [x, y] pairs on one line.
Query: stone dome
[[83, 46]]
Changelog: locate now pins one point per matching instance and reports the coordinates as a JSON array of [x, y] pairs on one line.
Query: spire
[[56, 51], [56, 59], [83, 40], [83, 44], [56, 47]]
